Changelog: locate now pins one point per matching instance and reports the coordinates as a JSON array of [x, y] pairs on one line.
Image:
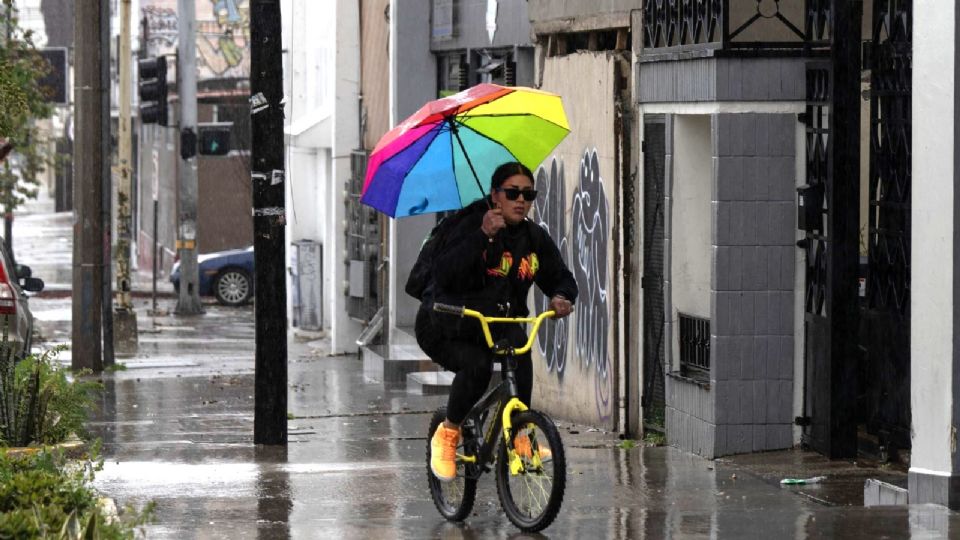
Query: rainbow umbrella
[[443, 156]]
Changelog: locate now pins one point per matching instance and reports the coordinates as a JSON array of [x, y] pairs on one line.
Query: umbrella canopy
[[443, 156]]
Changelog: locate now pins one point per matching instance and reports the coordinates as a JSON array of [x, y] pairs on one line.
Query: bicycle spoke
[[534, 484]]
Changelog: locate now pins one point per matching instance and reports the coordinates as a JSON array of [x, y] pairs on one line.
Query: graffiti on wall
[[161, 28], [223, 42], [549, 212], [584, 248], [223, 35], [590, 234]]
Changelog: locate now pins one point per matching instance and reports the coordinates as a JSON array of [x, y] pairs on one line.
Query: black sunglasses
[[514, 193]]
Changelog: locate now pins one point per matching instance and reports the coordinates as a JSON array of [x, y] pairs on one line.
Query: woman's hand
[[561, 305], [493, 222]]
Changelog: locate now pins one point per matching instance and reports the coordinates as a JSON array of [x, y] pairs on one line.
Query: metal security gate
[[363, 246], [828, 212], [654, 170], [812, 213], [884, 403]]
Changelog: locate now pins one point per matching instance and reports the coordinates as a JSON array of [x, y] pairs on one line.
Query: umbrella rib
[[419, 158], [405, 148], [494, 141]]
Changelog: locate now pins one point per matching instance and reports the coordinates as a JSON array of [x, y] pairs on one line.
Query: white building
[[322, 77]]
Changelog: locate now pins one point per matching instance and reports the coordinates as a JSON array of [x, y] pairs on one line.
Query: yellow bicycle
[[501, 432]]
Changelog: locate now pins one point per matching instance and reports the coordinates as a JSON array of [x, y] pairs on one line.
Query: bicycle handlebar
[[485, 323]]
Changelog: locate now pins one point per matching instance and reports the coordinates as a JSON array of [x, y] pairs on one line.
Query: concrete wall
[[576, 15], [934, 375], [689, 214], [346, 137], [748, 405], [413, 81], [752, 347], [722, 79], [573, 362], [375, 69], [471, 32]]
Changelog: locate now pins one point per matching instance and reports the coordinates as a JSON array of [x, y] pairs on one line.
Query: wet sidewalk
[[177, 429]]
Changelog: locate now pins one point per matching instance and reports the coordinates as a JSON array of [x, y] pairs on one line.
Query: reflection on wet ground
[[177, 429]]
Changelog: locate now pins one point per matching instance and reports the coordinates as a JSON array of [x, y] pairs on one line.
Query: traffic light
[[152, 89], [214, 140]]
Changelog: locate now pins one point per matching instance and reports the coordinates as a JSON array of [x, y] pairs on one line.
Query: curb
[[68, 293]]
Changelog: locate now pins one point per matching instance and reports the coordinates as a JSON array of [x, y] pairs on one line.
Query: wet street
[[177, 429]]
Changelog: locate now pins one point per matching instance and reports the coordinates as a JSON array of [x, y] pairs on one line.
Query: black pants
[[472, 363]]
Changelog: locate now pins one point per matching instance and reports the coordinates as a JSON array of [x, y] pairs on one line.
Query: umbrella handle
[[456, 133]]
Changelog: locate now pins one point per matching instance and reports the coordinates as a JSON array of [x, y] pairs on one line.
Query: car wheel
[[233, 287]]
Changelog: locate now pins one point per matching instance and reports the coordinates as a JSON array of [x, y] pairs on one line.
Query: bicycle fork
[[516, 464]]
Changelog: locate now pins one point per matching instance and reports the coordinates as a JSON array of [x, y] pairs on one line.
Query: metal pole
[[89, 95], [266, 88], [106, 190], [156, 253], [125, 317], [189, 301]]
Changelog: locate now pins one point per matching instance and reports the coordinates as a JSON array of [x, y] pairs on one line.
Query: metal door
[[828, 208], [654, 169], [885, 400]]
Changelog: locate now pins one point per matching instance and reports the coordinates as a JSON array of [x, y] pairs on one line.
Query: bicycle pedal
[[466, 459]]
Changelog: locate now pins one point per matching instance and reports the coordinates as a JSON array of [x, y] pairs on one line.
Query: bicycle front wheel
[[453, 499], [532, 477]]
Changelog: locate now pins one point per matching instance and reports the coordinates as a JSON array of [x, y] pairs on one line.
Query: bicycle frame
[[504, 395]]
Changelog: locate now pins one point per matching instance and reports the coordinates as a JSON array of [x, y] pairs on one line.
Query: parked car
[[17, 321], [225, 275]]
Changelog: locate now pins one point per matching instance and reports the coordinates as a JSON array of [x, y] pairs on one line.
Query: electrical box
[[810, 207]]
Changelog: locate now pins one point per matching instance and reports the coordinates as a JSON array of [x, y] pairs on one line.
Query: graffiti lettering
[[161, 28], [549, 213], [590, 232]]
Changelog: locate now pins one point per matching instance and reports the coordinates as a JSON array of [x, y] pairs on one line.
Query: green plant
[[23, 101], [654, 438], [627, 444], [40, 404], [44, 495]]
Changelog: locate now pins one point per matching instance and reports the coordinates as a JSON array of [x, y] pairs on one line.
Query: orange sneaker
[[521, 443], [443, 453]]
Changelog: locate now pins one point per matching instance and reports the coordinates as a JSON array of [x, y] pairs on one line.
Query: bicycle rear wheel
[[454, 500], [531, 482]]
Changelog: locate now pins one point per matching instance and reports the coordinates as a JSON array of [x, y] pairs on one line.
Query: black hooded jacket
[[493, 278]]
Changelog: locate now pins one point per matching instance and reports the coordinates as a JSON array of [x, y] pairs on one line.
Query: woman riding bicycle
[[487, 262]]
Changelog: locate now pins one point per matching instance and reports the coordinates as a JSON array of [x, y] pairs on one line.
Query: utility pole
[[189, 301], [106, 190], [92, 102], [266, 108], [125, 318]]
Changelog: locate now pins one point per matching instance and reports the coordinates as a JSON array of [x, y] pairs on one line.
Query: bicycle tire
[[540, 430], [454, 500]]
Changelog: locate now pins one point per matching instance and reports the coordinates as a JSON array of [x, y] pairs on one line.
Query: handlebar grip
[[447, 308]]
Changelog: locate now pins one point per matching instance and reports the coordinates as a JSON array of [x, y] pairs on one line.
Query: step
[[403, 335], [429, 383], [880, 493], [391, 364]]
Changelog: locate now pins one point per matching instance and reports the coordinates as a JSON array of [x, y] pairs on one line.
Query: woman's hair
[[507, 170]]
